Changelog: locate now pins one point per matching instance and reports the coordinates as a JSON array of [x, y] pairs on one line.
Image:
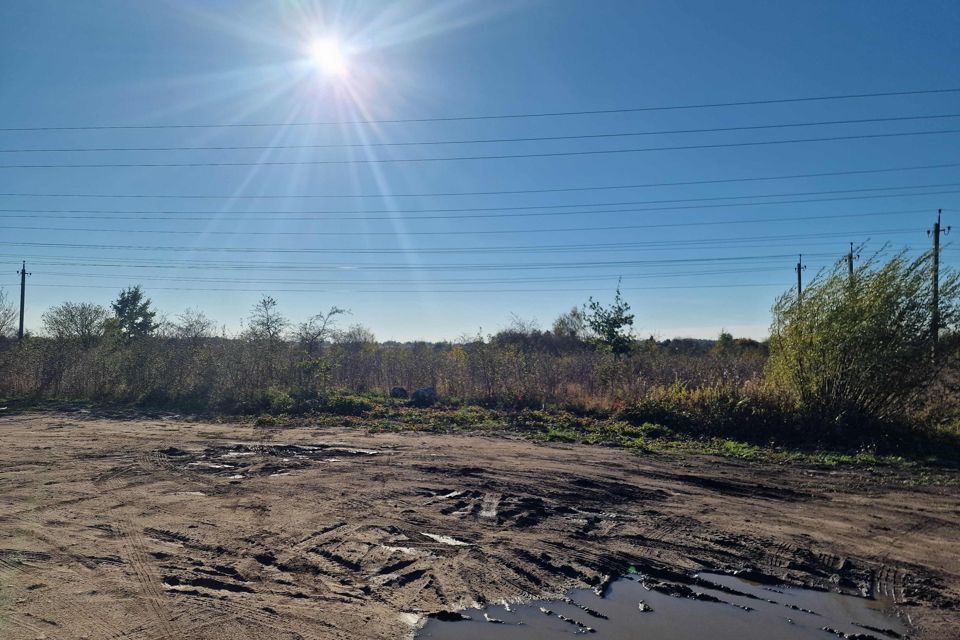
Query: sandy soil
[[160, 528]]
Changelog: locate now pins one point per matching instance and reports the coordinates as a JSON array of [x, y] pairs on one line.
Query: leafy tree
[[133, 316], [611, 325], [572, 324], [861, 346], [725, 343], [8, 315], [317, 329], [81, 321], [266, 322]]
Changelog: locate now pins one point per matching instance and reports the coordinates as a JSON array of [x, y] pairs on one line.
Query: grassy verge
[[929, 455]]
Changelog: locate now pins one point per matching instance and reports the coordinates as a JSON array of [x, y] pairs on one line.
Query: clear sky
[[694, 258]]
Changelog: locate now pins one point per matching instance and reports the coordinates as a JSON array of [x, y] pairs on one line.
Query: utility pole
[[800, 268], [935, 306], [23, 291], [850, 259]]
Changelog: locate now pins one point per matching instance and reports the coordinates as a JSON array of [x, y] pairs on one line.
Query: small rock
[[645, 607], [450, 616]]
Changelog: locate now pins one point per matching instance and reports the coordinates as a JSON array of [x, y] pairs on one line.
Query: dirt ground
[[157, 528]]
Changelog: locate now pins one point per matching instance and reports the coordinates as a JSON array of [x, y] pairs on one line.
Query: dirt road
[[160, 528]]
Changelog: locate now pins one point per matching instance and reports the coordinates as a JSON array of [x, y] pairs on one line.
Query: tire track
[[134, 551]]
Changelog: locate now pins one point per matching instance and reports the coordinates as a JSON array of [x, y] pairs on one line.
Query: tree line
[[855, 349]]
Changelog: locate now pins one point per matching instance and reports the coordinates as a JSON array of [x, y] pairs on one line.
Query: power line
[[447, 250], [174, 262], [497, 215], [771, 260], [488, 193], [539, 230], [434, 281], [542, 114], [592, 136], [275, 214], [525, 279], [340, 266], [551, 154], [608, 248], [422, 291]]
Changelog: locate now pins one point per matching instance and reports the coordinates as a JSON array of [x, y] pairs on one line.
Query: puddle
[[719, 607]]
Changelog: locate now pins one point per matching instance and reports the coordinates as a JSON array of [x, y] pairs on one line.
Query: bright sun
[[329, 57]]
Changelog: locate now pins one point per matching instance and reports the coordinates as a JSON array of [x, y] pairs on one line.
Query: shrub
[[857, 349], [348, 405]]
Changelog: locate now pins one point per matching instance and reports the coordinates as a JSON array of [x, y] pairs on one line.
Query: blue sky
[[404, 268]]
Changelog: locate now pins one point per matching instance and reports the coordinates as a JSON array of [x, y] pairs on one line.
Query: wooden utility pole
[[935, 304], [23, 293], [850, 261]]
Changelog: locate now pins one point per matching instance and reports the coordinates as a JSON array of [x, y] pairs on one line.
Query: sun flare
[[328, 56]]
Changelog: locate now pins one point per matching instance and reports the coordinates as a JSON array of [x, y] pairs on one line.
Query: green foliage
[[737, 449], [611, 325], [669, 395], [278, 401], [725, 343], [348, 405], [562, 435], [572, 324], [858, 348], [266, 322], [315, 374], [133, 315], [750, 412]]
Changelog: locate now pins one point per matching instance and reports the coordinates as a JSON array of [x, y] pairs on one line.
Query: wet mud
[[160, 528], [639, 607]]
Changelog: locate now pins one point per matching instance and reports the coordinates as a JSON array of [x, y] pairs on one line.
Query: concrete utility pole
[[23, 291], [850, 259], [800, 268], [935, 305]]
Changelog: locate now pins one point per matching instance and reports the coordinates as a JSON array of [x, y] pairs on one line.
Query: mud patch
[[100, 535], [245, 460], [645, 607]]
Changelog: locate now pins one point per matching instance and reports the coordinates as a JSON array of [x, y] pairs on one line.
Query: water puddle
[[719, 607]]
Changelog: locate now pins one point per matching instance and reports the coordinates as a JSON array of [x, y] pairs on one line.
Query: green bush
[[347, 405], [278, 401], [857, 349]]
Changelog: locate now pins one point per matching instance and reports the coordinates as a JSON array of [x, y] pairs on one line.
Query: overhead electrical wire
[[539, 230], [204, 263], [589, 136], [510, 116], [470, 280], [525, 279], [194, 263], [421, 291], [505, 156], [715, 265], [646, 185], [447, 250], [491, 215], [19, 212]]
